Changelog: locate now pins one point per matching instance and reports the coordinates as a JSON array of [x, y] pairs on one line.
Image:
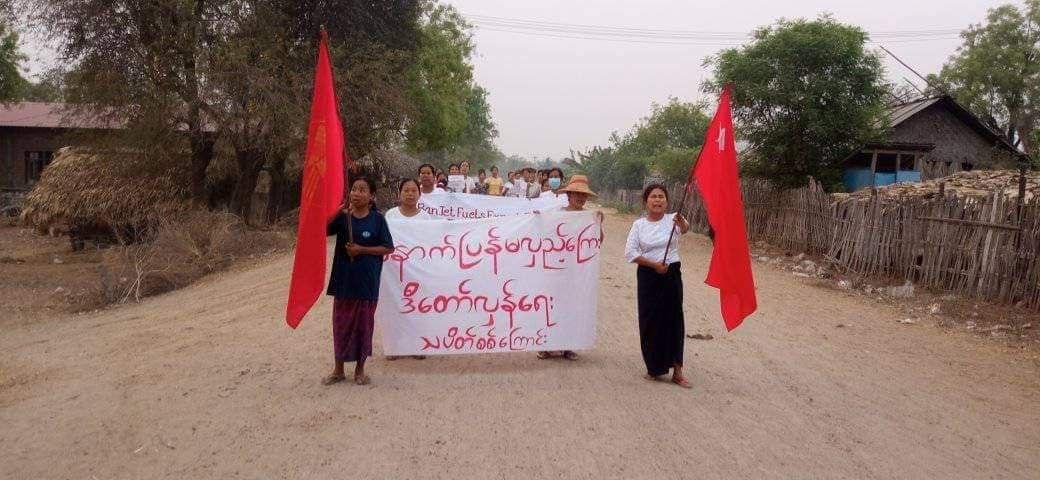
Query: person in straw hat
[[578, 192]]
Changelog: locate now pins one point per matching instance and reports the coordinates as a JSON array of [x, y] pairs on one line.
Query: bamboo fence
[[980, 247]]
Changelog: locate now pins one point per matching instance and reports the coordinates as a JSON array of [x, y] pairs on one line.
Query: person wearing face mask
[[554, 182], [659, 285]]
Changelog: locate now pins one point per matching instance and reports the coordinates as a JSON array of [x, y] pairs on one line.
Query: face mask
[[554, 183]]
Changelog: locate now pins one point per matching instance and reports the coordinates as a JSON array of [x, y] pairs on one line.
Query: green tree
[[198, 79], [668, 139], [12, 84], [996, 72], [806, 94], [440, 81], [664, 142]]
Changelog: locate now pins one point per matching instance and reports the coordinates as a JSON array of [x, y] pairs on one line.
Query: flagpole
[[686, 191], [346, 154]]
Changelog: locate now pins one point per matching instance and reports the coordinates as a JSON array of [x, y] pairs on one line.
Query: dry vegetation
[[42, 274]]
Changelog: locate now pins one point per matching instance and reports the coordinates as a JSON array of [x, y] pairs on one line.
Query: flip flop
[[331, 379]]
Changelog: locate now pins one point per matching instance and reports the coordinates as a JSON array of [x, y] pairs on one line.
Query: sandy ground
[[208, 382]]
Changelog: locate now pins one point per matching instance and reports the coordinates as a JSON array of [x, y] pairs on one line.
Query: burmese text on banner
[[501, 284]]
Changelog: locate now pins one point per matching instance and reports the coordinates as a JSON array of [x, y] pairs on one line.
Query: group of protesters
[[526, 182], [362, 244]]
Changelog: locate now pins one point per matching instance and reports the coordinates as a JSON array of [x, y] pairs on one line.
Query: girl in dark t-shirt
[[354, 284]]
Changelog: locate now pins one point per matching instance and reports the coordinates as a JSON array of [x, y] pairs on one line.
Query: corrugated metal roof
[[900, 113], [45, 115]]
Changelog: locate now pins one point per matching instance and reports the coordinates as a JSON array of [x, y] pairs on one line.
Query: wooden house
[[928, 138], [30, 134]]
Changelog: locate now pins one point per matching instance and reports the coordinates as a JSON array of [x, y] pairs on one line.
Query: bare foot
[[361, 379], [682, 382], [333, 378]]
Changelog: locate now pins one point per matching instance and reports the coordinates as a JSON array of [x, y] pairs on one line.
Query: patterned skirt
[[353, 322]]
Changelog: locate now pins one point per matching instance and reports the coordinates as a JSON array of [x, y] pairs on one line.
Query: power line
[[659, 36], [503, 21]]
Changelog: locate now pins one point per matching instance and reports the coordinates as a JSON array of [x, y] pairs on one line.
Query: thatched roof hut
[[82, 189], [392, 165]]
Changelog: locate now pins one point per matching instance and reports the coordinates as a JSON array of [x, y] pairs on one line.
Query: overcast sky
[[549, 95]]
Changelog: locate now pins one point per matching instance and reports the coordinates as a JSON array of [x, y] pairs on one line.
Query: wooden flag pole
[[686, 191], [346, 155]]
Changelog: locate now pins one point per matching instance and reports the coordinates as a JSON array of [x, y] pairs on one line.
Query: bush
[[178, 251]]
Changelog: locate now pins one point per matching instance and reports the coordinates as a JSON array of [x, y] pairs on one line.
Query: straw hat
[[578, 184]]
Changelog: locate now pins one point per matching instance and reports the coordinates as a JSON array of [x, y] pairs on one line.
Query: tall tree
[[12, 84], [440, 81], [996, 72], [213, 76], [143, 63], [806, 94], [373, 47]]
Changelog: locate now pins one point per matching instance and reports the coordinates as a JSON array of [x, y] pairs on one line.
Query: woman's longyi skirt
[[353, 322], [662, 329]]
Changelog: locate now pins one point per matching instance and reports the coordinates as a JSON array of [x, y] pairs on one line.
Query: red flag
[[321, 191], [716, 176]]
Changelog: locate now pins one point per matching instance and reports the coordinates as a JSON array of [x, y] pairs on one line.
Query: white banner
[[505, 284], [470, 206]]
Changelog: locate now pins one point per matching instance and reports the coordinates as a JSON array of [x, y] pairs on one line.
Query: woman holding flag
[[356, 266], [659, 286]]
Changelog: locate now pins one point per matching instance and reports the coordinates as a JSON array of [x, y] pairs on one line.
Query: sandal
[[570, 355], [331, 379], [682, 382], [362, 379]]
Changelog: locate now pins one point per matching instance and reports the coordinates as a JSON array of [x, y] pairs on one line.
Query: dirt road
[[207, 382]]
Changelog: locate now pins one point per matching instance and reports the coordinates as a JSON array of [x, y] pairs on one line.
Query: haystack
[[973, 184], [83, 190], [390, 164]]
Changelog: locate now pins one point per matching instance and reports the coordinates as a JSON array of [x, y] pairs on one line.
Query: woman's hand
[[661, 268], [599, 217], [353, 249], [346, 208], [680, 221]]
